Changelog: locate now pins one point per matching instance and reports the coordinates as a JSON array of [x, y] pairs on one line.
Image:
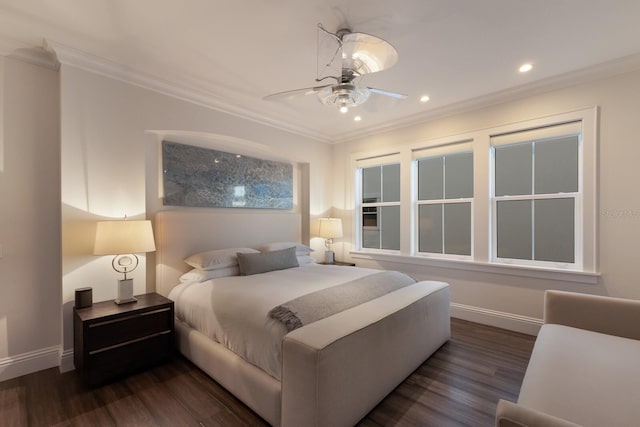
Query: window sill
[[587, 278]]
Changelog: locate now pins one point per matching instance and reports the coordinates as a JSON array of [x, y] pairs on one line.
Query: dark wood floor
[[458, 386]]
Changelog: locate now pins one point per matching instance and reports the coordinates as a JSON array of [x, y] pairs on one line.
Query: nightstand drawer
[[113, 362], [107, 333]]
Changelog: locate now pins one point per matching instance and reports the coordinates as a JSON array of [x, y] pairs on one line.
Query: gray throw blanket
[[325, 302]]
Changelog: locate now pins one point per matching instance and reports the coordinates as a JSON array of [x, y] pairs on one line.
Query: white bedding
[[234, 310]]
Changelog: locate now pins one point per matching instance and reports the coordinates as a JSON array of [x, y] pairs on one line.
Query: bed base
[[258, 390], [337, 369]]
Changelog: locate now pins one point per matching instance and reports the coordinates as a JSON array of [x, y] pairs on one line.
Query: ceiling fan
[[357, 54]]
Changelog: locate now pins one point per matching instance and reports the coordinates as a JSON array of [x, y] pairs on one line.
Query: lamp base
[[329, 257], [125, 292], [125, 301]]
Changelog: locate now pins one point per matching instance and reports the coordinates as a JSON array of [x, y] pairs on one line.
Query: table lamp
[[330, 228], [123, 239]]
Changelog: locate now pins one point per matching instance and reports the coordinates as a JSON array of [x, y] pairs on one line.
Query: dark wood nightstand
[[347, 264], [112, 340]]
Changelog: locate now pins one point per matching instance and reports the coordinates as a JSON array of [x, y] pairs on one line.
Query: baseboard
[[500, 319], [66, 360], [26, 363]]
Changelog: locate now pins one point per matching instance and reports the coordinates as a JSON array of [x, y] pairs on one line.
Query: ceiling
[[233, 53]]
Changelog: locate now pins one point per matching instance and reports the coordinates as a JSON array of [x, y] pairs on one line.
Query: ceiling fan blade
[[388, 93], [364, 53], [289, 94]]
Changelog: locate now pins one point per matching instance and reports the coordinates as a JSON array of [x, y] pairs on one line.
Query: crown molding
[[13, 48], [600, 71], [203, 96], [8, 45]]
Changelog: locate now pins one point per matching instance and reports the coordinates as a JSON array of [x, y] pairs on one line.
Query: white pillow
[[197, 275], [276, 246], [305, 259], [220, 258]]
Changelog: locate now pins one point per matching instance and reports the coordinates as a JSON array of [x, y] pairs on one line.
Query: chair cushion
[[585, 377]]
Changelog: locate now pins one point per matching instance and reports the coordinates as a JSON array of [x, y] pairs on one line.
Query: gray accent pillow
[[267, 261]]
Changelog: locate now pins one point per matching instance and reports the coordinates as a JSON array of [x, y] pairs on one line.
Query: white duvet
[[234, 310]]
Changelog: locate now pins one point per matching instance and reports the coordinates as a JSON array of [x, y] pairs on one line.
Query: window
[[536, 195], [444, 203], [380, 206], [519, 198]]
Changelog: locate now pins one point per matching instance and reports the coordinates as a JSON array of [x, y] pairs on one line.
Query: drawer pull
[[121, 319], [122, 344]]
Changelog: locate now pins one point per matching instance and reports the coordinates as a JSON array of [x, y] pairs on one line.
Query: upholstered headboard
[[181, 233]]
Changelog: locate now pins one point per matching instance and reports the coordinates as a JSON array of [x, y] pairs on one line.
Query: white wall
[[105, 141], [30, 274], [512, 301]]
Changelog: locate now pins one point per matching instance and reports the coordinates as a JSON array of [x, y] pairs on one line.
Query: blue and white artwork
[[201, 177]]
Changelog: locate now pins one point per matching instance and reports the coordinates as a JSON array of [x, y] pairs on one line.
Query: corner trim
[[513, 322], [12, 48], [66, 361], [27, 363]]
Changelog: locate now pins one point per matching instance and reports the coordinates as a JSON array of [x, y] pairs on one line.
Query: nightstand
[[347, 264], [113, 340]]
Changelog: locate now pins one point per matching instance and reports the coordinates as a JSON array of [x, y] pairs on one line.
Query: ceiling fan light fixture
[[343, 96], [357, 54]]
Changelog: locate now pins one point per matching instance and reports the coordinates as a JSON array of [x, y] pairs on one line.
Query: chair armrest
[[509, 414], [607, 315]]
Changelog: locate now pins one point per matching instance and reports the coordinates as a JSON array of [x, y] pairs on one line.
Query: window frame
[[557, 131], [375, 161], [454, 148], [587, 272]]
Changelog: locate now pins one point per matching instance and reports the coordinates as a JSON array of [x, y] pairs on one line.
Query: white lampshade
[[123, 237], [330, 228]]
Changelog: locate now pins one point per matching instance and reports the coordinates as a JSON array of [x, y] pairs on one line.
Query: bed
[[330, 372]]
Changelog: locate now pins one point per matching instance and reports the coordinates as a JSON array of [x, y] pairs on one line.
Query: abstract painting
[[201, 177]]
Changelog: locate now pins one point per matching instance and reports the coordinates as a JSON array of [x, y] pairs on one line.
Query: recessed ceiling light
[[424, 98], [344, 110], [525, 67], [357, 118]]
